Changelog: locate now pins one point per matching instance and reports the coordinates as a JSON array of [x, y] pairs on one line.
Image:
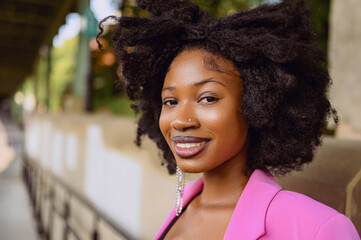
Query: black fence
[[42, 187]]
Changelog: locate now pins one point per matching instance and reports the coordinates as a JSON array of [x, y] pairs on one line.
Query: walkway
[[16, 218]]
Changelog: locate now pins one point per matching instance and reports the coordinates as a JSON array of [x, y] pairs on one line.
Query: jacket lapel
[[249, 216]]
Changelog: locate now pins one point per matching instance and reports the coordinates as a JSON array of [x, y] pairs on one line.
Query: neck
[[224, 185]]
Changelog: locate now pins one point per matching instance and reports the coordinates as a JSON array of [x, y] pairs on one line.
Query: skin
[[211, 98]]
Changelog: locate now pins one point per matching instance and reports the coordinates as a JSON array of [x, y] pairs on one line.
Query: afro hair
[[284, 80]]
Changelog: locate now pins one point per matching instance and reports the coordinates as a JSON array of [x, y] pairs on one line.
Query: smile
[[187, 146], [190, 145]]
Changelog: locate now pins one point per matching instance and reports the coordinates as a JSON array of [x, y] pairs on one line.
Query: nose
[[185, 119], [182, 125]]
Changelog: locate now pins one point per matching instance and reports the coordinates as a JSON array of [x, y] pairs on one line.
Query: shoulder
[[288, 203], [295, 213]]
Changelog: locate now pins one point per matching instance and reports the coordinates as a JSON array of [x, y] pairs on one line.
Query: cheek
[[164, 122], [227, 125], [223, 118]]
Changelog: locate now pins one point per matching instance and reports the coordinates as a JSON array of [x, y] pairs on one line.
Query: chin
[[191, 166]]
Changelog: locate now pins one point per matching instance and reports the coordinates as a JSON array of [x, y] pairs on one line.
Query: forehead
[[194, 68], [204, 59]]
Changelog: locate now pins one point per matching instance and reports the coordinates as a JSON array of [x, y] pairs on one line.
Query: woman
[[235, 98]]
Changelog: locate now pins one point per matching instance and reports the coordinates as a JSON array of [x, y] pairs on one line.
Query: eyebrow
[[208, 80]]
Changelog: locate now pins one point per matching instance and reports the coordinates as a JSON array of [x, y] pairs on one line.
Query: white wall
[[96, 155], [344, 64]]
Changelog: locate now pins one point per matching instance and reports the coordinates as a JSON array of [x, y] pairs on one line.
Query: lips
[[188, 146]]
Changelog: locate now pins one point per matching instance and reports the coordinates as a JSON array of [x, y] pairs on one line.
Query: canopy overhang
[[26, 25]]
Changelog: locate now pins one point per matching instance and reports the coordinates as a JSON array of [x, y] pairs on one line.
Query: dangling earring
[[179, 191]]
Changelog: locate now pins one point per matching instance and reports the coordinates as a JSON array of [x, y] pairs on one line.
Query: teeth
[[190, 145]]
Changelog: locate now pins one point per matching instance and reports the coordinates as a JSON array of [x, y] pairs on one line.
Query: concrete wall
[[344, 62]]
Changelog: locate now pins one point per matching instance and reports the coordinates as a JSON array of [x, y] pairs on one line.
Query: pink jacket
[[265, 211]]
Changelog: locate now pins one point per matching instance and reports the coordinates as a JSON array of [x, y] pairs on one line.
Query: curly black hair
[[284, 81]]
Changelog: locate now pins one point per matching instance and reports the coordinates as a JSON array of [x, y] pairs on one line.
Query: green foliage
[[119, 105], [63, 61], [217, 8], [129, 8], [104, 92], [41, 79], [320, 12], [28, 86], [220, 8]]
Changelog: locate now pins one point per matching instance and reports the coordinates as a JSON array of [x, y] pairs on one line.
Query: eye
[[208, 99], [170, 102]]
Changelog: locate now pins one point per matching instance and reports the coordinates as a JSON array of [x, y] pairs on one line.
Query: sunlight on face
[[201, 118]]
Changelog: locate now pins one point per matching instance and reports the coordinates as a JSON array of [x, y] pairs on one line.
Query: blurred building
[[344, 57]]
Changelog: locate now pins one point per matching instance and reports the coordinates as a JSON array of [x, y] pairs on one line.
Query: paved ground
[[16, 218]]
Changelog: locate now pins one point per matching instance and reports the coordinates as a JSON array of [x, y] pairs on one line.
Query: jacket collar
[[249, 216], [248, 219]]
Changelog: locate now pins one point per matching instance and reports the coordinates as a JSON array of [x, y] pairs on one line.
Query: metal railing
[[42, 185]]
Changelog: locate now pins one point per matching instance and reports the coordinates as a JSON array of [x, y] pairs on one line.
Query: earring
[[179, 191]]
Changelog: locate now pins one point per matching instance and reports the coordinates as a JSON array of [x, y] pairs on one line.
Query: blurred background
[[68, 165]]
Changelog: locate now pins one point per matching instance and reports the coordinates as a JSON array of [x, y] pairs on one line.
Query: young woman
[[235, 98]]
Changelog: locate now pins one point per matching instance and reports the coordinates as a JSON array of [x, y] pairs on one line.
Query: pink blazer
[[265, 211]]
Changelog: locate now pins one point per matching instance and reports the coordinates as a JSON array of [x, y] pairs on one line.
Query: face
[[201, 118]]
